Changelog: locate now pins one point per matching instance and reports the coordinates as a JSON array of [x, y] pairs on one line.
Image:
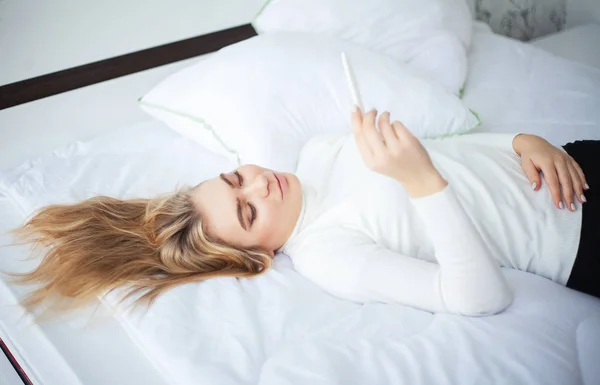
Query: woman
[[376, 216]]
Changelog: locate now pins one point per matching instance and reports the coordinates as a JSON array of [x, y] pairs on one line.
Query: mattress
[[281, 328]]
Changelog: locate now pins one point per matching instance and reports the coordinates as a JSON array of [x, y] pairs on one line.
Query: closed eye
[[252, 213], [252, 218]]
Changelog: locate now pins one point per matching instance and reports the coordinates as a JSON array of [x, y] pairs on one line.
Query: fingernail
[[573, 207], [560, 205], [534, 185], [586, 186], [583, 198]]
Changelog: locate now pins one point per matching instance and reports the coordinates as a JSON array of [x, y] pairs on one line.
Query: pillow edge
[[203, 123]]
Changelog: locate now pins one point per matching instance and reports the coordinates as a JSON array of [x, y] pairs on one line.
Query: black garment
[[585, 275]]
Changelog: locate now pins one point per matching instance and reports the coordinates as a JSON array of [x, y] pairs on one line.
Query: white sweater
[[361, 237]]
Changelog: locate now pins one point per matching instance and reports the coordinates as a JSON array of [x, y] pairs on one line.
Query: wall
[[582, 12], [40, 36]]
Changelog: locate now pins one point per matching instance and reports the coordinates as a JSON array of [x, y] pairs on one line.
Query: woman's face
[[250, 207]]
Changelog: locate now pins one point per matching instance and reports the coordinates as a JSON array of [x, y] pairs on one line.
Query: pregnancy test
[[354, 92]]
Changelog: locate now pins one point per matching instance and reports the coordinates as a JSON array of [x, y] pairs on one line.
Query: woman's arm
[[561, 172], [469, 278], [395, 152], [465, 281], [565, 179]]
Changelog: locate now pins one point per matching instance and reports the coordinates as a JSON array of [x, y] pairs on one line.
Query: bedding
[[88, 347], [517, 87], [280, 328], [72, 350], [432, 36], [260, 100]]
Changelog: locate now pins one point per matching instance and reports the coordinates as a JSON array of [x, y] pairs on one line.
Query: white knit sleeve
[[466, 280], [498, 140], [471, 281]]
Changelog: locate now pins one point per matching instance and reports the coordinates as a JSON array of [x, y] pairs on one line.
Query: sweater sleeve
[[466, 280], [498, 140], [471, 281]]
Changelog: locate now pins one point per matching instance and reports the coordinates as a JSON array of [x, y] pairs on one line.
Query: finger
[[551, 179], [386, 129], [532, 174], [566, 184], [357, 123], [577, 185], [580, 174], [357, 118], [401, 130], [372, 137]]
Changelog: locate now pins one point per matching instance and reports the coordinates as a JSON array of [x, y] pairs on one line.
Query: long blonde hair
[[145, 245]]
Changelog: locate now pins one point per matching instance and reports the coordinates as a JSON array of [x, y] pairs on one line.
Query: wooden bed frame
[[54, 83]]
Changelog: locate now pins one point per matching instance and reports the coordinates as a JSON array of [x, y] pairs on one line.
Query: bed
[[65, 351], [280, 329]]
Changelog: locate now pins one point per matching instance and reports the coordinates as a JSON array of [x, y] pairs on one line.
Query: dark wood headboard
[[66, 80]]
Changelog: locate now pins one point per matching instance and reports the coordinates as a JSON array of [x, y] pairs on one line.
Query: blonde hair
[[145, 245]]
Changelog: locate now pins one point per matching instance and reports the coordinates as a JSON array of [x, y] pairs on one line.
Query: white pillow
[[432, 36], [521, 88], [260, 100]]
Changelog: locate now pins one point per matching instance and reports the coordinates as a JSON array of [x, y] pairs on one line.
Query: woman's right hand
[[395, 152]]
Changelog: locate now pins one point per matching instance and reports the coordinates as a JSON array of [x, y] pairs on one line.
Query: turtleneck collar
[[307, 197]]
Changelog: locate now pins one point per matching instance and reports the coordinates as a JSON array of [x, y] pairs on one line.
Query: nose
[[257, 188]]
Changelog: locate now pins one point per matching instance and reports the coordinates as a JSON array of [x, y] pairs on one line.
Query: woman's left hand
[[561, 171]]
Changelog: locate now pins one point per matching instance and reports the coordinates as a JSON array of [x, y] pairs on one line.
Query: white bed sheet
[[67, 351], [75, 349], [280, 328]]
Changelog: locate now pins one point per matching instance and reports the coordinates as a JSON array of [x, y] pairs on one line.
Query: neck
[[299, 219]]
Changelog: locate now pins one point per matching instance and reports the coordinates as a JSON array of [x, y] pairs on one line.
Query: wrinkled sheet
[[281, 328]]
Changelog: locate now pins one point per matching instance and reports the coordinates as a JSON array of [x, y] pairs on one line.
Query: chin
[[294, 183], [292, 177]]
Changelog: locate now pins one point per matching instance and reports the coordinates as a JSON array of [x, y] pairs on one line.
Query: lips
[[279, 184]]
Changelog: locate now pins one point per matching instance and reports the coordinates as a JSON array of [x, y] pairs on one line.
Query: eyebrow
[[239, 204], [222, 176]]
